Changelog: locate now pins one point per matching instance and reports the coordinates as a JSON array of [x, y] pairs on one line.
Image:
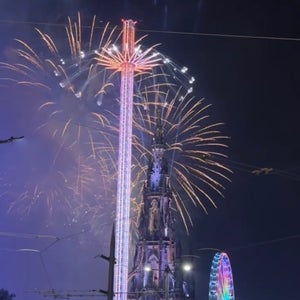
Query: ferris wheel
[[221, 280]]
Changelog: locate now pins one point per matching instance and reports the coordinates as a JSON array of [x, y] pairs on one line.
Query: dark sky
[[253, 85]]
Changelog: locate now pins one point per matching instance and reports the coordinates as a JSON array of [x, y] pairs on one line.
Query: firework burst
[[194, 146], [75, 106], [63, 96]]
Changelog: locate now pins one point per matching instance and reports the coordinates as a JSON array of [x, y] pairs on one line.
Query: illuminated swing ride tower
[[129, 61]]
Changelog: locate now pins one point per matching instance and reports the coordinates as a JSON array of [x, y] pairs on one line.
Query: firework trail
[[62, 99]]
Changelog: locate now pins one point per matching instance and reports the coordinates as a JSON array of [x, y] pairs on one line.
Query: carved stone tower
[[154, 263]]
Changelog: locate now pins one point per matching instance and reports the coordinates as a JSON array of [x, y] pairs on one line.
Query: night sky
[[253, 86]]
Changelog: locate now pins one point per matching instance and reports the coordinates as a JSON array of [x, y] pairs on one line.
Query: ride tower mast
[[130, 60]]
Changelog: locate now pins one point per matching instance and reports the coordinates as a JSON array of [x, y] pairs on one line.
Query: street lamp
[[147, 268], [187, 266]]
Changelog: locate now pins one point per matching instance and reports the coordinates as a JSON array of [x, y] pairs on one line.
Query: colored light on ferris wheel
[[221, 279]]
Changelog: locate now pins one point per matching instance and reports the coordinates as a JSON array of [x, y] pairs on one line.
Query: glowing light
[[147, 268], [221, 281], [82, 54], [183, 69], [192, 80], [187, 267]]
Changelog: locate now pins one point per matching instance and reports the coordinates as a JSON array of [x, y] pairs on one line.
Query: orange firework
[[76, 110]]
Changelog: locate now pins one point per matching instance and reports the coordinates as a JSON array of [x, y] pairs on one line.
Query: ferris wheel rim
[[221, 285]]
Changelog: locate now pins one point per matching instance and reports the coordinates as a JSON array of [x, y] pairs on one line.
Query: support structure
[[124, 162], [127, 62]]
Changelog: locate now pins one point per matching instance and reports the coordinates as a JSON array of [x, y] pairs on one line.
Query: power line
[[266, 242], [64, 294], [252, 245], [41, 252], [28, 235], [225, 35], [171, 32], [259, 170]]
